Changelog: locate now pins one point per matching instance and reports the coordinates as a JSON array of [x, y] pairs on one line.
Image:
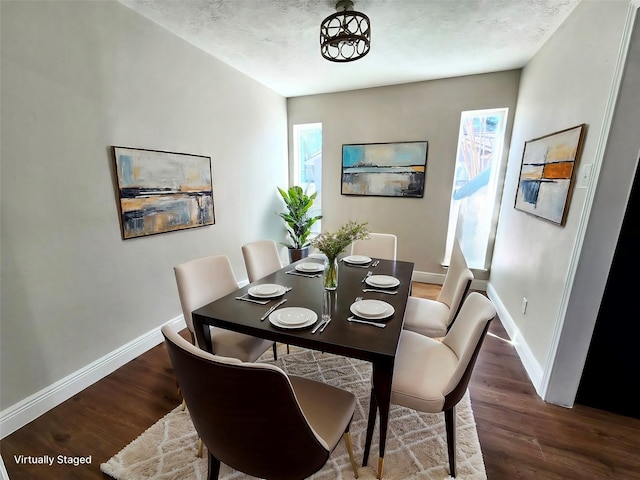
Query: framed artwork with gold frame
[[162, 191], [547, 174]]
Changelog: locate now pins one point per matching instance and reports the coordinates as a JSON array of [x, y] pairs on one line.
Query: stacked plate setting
[[293, 317], [310, 267], [382, 281], [357, 259], [267, 290], [372, 309]]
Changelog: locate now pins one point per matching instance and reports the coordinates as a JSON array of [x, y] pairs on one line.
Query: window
[[475, 183], [307, 164]]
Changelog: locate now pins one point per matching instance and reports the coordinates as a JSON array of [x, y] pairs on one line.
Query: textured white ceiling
[[277, 42]]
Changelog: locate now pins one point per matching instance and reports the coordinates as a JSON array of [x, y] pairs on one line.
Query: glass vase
[[330, 273]]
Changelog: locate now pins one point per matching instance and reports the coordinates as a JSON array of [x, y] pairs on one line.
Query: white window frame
[[478, 255], [297, 172]]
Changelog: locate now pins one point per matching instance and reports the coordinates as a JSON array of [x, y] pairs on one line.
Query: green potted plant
[[298, 221]]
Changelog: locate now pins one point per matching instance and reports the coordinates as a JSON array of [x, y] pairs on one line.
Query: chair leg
[[214, 468], [450, 423], [347, 441], [288, 349], [275, 351]]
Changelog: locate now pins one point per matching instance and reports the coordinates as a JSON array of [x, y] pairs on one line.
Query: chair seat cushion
[[422, 371], [427, 317], [238, 345], [328, 409]]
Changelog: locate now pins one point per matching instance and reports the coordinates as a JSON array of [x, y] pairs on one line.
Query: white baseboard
[[23, 412], [438, 279], [426, 277], [4, 475], [531, 365]]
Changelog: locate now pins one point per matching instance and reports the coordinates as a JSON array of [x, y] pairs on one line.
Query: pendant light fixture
[[345, 36]]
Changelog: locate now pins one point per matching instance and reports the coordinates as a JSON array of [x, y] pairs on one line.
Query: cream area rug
[[416, 442]]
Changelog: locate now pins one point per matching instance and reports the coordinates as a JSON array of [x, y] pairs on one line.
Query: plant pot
[[296, 254]]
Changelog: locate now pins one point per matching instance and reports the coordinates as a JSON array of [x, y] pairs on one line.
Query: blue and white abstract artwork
[[384, 169]]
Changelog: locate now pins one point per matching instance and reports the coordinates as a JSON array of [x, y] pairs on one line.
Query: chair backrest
[[465, 339], [261, 258], [246, 414], [456, 282], [378, 245], [201, 281]]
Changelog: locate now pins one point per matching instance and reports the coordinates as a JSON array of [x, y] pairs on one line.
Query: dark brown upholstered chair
[[256, 419], [432, 376]]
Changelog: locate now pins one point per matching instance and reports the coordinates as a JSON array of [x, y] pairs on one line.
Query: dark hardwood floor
[[521, 436]]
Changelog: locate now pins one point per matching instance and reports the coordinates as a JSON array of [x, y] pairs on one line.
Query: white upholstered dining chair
[[261, 258], [434, 318], [432, 376], [202, 281], [378, 245]]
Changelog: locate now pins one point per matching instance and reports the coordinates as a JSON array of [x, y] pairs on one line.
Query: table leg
[[373, 410], [380, 401], [203, 334]]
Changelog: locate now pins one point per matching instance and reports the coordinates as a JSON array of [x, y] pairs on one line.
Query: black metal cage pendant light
[[345, 36]]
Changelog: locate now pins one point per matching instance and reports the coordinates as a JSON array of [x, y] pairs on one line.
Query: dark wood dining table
[[341, 337]]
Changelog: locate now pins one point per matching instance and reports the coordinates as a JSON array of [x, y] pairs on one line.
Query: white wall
[[417, 111], [569, 82], [78, 77], [612, 193]]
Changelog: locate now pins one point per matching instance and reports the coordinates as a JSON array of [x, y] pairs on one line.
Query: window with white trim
[[307, 164], [475, 184]]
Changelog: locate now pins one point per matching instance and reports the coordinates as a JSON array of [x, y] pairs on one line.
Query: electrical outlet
[[523, 307]]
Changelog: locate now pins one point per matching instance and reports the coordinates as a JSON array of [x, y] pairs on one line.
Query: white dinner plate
[[293, 317], [373, 309], [382, 281], [357, 259], [267, 290], [310, 267]]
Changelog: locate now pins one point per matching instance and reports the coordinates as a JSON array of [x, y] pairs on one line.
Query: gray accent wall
[[417, 111], [77, 78]]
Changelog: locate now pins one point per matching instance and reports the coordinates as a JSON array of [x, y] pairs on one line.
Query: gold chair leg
[[347, 441], [380, 467], [199, 448], [184, 404]]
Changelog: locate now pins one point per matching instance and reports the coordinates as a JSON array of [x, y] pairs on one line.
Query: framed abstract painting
[[162, 191], [384, 169], [547, 174]]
